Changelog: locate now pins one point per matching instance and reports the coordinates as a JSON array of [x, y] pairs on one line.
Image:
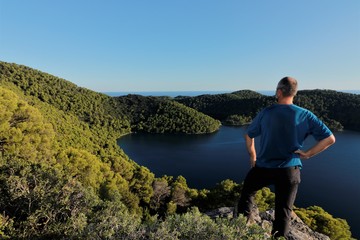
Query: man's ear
[[277, 93]]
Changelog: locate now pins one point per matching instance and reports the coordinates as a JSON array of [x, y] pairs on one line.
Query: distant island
[[63, 176]]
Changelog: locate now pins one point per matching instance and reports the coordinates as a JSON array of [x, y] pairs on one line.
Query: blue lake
[[330, 180]]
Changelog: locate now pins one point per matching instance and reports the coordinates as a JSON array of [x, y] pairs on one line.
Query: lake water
[[330, 180]]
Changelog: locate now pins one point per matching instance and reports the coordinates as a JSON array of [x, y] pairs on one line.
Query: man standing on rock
[[283, 128]]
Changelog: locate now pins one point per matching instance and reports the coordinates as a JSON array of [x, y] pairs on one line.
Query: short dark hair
[[288, 86]]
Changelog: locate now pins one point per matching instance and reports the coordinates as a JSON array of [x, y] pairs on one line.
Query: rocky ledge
[[298, 229]]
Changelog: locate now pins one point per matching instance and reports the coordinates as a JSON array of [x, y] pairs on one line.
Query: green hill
[[222, 106], [162, 115], [335, 108], [57, 139], [62, 175], [121, 115], [338, 110]]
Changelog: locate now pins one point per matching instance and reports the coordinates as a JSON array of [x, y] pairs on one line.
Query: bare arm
[[250, 146], [317, 148]]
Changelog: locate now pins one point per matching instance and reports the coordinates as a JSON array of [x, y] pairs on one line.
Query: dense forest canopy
[[62, 175], [121, 115], [338, 110]]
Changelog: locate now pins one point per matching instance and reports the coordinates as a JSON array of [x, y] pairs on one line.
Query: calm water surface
[[330, 180]]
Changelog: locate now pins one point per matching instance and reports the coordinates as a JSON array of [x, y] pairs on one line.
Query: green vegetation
[[160, 115], [62, 175], [339, 110], [238, 108], [319, 220], [117, 115], [230, 108]]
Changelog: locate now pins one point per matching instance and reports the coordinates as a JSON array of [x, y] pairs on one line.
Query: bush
[[195, 225], [112, 220], [319, 220]]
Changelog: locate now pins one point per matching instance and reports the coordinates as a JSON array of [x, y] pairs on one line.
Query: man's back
[[283, 129]]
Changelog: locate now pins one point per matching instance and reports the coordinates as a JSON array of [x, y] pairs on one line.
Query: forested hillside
[[96, 109], [160, 115], [242, 105], [338, 110], [334, 107], [62, 175]]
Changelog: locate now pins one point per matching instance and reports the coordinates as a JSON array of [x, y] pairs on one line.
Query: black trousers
[[285, 180]]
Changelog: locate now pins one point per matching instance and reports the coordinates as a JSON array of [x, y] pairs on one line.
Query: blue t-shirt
[[283, 129]]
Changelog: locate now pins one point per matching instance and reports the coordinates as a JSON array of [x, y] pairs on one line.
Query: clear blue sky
[[183, 45]]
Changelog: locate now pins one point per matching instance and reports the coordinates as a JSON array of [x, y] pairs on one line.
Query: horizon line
[[197, 93], [126, 91]]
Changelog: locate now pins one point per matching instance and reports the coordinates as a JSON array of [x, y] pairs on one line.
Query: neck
[[285, 100]]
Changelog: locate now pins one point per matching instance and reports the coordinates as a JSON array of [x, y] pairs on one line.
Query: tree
[[161, 193], [141, 184], [23, 131], [84, 166], [224, 194]]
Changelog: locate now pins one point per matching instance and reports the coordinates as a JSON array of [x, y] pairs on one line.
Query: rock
[[224, 212], [298, 229]]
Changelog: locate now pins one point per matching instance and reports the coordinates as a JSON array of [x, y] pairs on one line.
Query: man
[[283, 128]]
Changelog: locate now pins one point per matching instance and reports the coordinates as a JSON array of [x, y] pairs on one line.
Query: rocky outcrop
[[298, 229]]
